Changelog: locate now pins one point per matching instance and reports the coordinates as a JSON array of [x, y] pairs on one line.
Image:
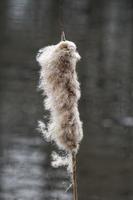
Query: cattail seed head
[[59, 83]]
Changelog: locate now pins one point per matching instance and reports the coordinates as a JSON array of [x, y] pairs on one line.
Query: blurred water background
[[103, 32]]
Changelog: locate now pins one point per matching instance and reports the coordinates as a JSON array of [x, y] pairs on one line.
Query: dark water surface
[[103, 31]]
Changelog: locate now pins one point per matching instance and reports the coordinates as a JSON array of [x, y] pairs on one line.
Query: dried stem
[[74, 177], [63, 37]]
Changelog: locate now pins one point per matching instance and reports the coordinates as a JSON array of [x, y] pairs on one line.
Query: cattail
[[60, 86]]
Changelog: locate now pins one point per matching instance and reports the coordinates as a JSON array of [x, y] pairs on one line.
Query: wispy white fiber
[[60, 160]]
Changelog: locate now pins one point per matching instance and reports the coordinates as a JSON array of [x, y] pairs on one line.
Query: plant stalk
[[63, 37], [74, 177]]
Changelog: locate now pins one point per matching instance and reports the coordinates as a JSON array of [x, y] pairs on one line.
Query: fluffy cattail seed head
[[58, 80]]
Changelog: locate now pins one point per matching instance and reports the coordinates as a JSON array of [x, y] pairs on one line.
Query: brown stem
[[63, 38], [74, 177]]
